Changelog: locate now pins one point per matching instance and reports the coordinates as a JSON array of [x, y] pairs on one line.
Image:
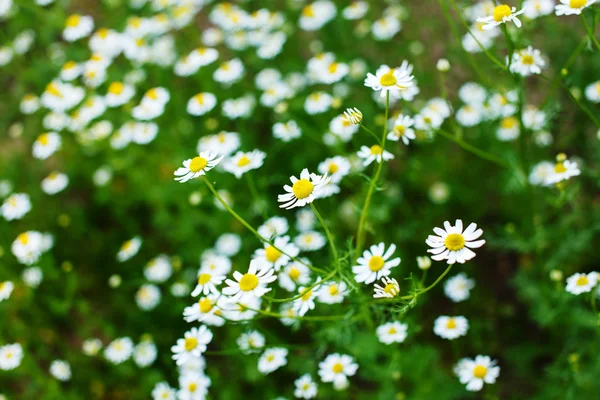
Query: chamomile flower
[[509, 129], [250, 342], [252, 284], [272, 359], [192, 345], [527, 61], [286, 131], [278, 255], [54, 183], [389, 80], [306, 388], [454, 244], [537, 8], [392, 332], [159, 269], [389, 288], [91, 347], [458, 288], [129, 249], [201, 103], [541, 173], [197, 166], [318, 102], [10, 356], [29, 104], [337, 368], [336, 168], [564, 169], [450, 327], [581, 283], [228, 244], [307, 302], [46, 144], [229, 72], [32, 276], [77, 26], [374, 153], [375, 263], [592, 92], [205, 311], [474, 373], [208, 280], [303, 191], [310, 241], [343, 129], [316, 14], [119, 350], [16, 206], [402, 129], [147, 297], [572, 7], [242, 162], [292, 275], [193, 386], [118, 94], [501, 15], [162, 391], [356, 10], [61, 370], [6, 289], [332, 292], [353, 116]]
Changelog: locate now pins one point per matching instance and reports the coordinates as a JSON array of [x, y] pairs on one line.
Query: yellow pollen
[[136, 22], [560, 168], [43, 139], [376, 149], [582, 280], [392, 331], [243, 161], [198, 164], [509, 123], [221, 136], [527, 59], [390, 288], [225, 66], [376, 263], [205, 305], [333, 168], [577, 3], [199, 98], [306, 295], [116, 88], [400, 129], [12, 200], [479, 371], [333, 290], [139, 42], [103, 33], [192, 387], [272, 254], [333, 67], [53, 90], [294, 273], [248, 282], [305, 386], [388, 79], [190, 343], [23, 238], [69, 65], [501, 11], [454, 241], [270, 357], [203, 279], [451, 324], [127, 245], [308, 11], [152, 93], [73, 21], [302, 188], [337, 368]]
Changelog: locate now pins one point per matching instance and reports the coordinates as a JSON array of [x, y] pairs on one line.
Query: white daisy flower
[[527, 61], [501, 15], [193, 386], [201, 103], [375, 263], [541, 173], [509, 129], [453, 244], [333, 292], [30, 103], [223, 143], [306, 388], [242, 162], [147, 297], [197, 166], [273, 227], [251, 341], [337, 368], [77, 26], [33, 276], [581, 283], [537, 8], [336, 168], [229, 72], [563, 170], [292, 275], [343, 129], [228, 244], [458, 288], [6, 289], [389, 80], [251, 284], [307, 301], [272, 359], [374, 153], [475, 372], [129, 249], [402, 129], [286, 131], [54, 183], [192, 345], [16, 206], [159, 269], [208, 282], [389, 288], [318, 102], [278, 255], [119, 350], [310, 241], [91, 347], [61, 370], [46, 144], [392, 332], [450, 327], [303, 191], [316, 14], [592, 92], [356, 10], [572, 7], [204, 311], [118, 94], [162, 391], [10, 356], [469, 115]]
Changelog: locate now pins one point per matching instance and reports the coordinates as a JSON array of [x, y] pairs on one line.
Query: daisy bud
[[424, 262], [114, 281], [443, 65], [195, 198], [353, 115], [556, 275], [281, 107], [560, 157]]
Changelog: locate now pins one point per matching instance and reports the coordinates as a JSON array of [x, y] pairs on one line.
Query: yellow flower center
[[302, 188], [333, 168], [560, 168], [190, 343], [501, 11], [116, 88], [400, 130], [333, 290], [69, 65], [390, 288], [306, 295], [509, 122], [376, 149], [52, 88], [577, 3], [272, 254], [479, 371], [582, 280], [333, 67], [243, 161], [527, 59], [198, 164], [23, 238], [451, 324], [454, 241], [103, 33], [205, 305], [199, 98], [376, 263], [222, 137], [152, 93], [248, 282], [392, 331], [73, 21], [308, 11], [192, 387], [337, 368], [388, 79], [43, 139], [203, 279], [294, 273], [127, 245]]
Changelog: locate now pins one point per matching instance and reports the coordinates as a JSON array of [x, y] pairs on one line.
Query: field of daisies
[[295, 199]]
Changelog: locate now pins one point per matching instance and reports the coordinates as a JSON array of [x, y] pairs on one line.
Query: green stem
[[510, 45], [593, 301], [304, 318], [334, 253], [365, 210], [428, 288], [589, 31], [251, 229], [371, 132], [317, 283], [472, 149], [255, 195]]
